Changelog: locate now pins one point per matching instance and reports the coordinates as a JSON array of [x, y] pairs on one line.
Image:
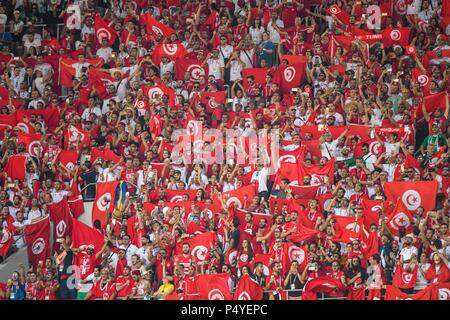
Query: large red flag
[[320, 284], [405, 279], [303, 233], [248, 289], [199, 244], [292, 252], [393, 36], [32, 142], [258, 73], [50, 116], [393, 293], [76, 203], [305, 192], [153, 92], [105, 154], [15, 167], [67, 71], [192, 66], [440, 291], [155, 27], [83, 235], [6, 239], [433, 102], [342, 15], [37, 236], [177, 195], [414, 194], [264, 259], [172, 51], [73, 135], [400, 218], [316, 172], [289, 76], [241, 197], [104, 201], [104, 31], [68, 158], [214, 286], [62, 220], [348, 229]]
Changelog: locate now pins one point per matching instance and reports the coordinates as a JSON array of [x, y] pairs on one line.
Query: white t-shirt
[[235, 70], [57, 196], [392, 148], [214, 66], [328, 149], [104, 53], [274, 35], [407, 253], [261, 176]]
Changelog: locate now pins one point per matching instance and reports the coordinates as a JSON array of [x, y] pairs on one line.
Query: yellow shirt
[[165, 288]]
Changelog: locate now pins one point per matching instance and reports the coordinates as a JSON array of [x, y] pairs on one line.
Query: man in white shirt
[[274, 26], [57, 193], [216, 67], [130, 249], [166, 65], [92, 108], [408, 251], [105, 51], [261, 176]]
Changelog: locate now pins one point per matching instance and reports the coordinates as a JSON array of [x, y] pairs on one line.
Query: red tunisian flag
[[241, 197], [171, 50], [303, 233], [62, 220], [316, 172], [320, 284], [213, 20], [371, 209], [104, 201], [393, 293], [15, 167], [413, 194], [192, 66], [264, 259], [105, 154], [393, 36], [177, 195], [305, 192], [37, 236], [153, 92], [76, 203], [404, 279], [68, 158], [214, 286], [400, 218], [50, 116], [342, 15], [6, 239], [155, 126], [211, 99], [155, 27], [73, 135], [289, 76], [32, 142], [82, 234], [433, 102], [104, 31], [292, 252], [348, 229], [199, 244], [248, 289], [259, 74], [422, 79], [67, 71]]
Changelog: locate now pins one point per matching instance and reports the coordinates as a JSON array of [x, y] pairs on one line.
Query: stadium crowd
[[353, 99]]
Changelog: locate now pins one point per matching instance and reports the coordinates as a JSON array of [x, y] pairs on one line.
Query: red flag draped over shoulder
[[37, 236], [214, 286], [248, 289], [104, 201]]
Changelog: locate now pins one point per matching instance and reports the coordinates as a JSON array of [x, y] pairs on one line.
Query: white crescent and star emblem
[[411, 199]]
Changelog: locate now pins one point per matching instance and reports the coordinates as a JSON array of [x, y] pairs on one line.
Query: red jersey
[[186, 262], [35, 290], [103, 290], [127, 290], [86, 263]]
